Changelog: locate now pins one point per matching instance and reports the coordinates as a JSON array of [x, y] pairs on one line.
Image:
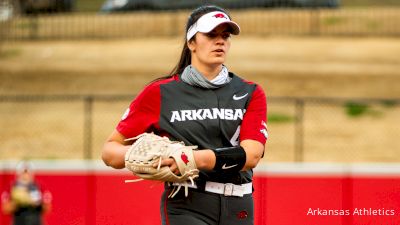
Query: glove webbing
[[178, 186]]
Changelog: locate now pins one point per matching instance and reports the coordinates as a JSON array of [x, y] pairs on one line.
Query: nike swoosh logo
[[224, 167], [239, 97]]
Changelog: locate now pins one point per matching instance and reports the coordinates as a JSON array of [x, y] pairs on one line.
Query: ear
[[191, 45]]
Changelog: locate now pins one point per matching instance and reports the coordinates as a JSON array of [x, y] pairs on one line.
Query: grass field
[[325, 67]]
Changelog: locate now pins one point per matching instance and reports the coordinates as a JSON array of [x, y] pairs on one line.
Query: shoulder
[[153, 88], [253, 85], [155, 84]]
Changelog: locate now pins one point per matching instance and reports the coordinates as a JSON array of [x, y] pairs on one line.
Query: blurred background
[[330, 69]]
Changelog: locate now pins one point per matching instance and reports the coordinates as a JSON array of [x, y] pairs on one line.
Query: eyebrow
[[225, 31]]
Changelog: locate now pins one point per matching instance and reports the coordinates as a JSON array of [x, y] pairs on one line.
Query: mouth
[[219, 51]]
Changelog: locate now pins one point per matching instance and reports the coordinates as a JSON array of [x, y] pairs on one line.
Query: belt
[[227, 189]]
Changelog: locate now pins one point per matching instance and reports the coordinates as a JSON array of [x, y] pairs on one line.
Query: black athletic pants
[[204, 208]]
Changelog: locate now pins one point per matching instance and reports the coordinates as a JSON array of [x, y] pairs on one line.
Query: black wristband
[[230, 159]]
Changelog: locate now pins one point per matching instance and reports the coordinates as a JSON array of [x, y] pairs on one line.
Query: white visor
[[24, 166], [209, 21]]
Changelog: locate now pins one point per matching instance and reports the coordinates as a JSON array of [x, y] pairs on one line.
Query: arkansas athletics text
[[348, 212]]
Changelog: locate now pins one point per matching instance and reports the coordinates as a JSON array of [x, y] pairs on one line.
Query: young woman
[[201, 103]]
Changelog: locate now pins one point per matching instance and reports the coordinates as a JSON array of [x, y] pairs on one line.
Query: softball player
[[202, 103], [26, 202]]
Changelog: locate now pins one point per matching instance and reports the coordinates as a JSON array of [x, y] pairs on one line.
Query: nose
[[220, 40]]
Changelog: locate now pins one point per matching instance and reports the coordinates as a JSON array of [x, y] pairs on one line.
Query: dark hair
[[185, 58]]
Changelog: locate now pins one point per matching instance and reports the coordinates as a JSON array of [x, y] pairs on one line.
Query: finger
[[164, 162], [174, 169], [176, 172]]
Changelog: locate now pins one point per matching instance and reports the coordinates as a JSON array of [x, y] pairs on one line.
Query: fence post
[[87, 127], [174, 22], [315, 20], [299, 131], [2, 37], [4, 29], [34, 26]]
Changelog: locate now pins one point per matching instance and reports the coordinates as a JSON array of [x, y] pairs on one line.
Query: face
[[26, 177], [211, 49]]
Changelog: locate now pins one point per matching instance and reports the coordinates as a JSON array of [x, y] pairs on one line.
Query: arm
[[205, 159], [113, 153], [254, 151], [142, 114], [47, 201], [9, 207]]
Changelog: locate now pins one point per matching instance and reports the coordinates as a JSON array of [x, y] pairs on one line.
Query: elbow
[[254, 152], [106, 158], [112, 160], [252, 161]]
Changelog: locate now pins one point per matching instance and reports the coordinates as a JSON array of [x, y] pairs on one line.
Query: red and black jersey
[[208, 118]]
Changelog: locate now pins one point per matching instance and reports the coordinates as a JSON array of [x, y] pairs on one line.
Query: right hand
[[170, 162]]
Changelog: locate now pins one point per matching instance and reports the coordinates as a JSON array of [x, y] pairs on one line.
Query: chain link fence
[[300, 129]]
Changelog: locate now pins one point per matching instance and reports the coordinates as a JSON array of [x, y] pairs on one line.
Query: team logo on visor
[[220, 15]]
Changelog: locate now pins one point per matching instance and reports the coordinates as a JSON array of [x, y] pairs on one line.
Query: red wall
[[96, 197]]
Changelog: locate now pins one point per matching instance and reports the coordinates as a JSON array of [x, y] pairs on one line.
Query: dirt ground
[[318, 67], [337, 67]]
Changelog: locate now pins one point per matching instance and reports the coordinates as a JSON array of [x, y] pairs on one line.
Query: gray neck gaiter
[[193, 77]]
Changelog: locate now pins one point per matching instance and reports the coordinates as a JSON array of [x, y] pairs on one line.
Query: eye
[[211, 35], [226, 35]]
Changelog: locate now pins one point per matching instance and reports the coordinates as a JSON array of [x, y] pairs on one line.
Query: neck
[[209, 72]]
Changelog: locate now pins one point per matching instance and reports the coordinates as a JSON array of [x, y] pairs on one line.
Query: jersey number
[[235, 138]]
